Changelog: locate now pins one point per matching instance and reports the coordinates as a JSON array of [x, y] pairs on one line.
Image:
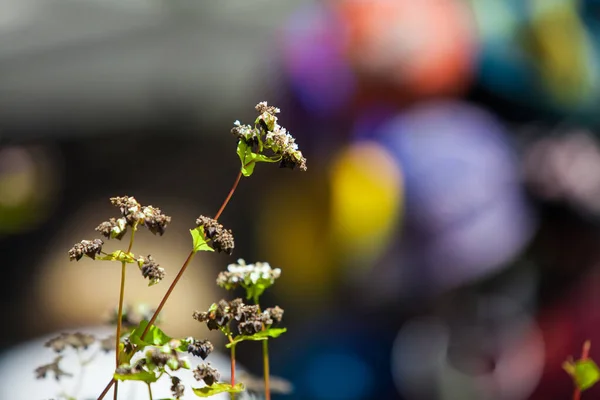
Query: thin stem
[[232, 365], [585, 353], [106, 389], [235, 184], [265, 346], [232, 395], [266, 369], [120, 312], [169, 291], [149, 391]]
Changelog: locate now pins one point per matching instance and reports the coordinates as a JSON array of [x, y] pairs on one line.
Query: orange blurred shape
[[420, 47]]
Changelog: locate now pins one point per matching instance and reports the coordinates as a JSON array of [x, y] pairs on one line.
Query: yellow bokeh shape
[[366, 201]]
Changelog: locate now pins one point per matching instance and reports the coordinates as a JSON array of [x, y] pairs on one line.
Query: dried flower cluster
[[53, 367], [151, 270], [165, 356], [133, 214], [86, 248], [177, 388], [259, 273], [107, 344], [222, 239], [132, 316], [200, 348], [126, 369], [269, 134], [249, 318], [77, 340], [206, 373]]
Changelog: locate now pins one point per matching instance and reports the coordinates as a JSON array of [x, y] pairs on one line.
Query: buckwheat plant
[[145, 353]]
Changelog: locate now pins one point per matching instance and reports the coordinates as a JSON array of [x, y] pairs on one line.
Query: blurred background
[[445, 241]]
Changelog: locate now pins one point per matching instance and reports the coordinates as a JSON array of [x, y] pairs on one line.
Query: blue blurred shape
[[343, 376]]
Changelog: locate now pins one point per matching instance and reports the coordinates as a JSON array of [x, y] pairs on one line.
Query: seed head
[[222, 239], [263, 107], [155, 221], [126, 369], [151, 270], [108, 344], [275, 314], [206, 373], [135, 214], [132, 315], [177, 388], [86, 248], [113, 228], [130, 208], [77, 340], [201, 348], [157, 357], [41, 372]]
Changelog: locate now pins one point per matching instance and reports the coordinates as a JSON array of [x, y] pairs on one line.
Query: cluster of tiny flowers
[[86, 248], [126, 369], [217, 317], [259, 273], [206, 373], [41, 372], [274, 137], [162, 357], [200, 348], [78, 341], [177, 388], [151, 270], [133, 214], [222, 239], [108, 344], [249, 318]]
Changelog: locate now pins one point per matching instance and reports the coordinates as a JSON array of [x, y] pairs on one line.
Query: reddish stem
[[585, 353], [106, 389], [235, 184]]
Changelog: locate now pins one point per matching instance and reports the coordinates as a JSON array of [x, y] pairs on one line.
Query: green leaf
[[154, 337], [586, 374], [254, 291], [183, 345], [249, 159], [248, 169], [217, 388], [244, 151], [262, 335], [263, 158], [173, 364], [144, 376], [118, 255], [199, 241]]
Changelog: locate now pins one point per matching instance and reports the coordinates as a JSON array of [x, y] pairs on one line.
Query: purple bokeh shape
[[466, 211]]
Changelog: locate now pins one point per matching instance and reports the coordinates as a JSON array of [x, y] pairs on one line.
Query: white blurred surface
[[18, 382]]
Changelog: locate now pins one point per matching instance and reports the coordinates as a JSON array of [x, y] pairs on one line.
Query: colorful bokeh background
[[445, 240]]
